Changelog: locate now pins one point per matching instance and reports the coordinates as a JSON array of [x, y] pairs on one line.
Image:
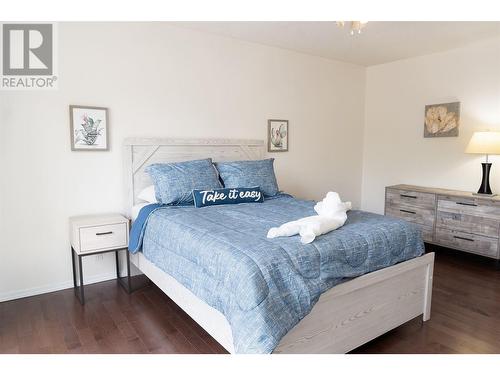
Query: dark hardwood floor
[[465, 319]]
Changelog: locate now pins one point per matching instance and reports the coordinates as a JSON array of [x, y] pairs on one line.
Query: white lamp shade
[[484, 143]]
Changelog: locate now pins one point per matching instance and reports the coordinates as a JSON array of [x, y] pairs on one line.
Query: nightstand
[[97, 234]]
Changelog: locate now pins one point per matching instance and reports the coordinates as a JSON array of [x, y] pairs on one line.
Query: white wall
[[395, 150], [159, 80]]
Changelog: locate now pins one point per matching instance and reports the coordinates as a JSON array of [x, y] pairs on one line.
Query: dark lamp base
[[485, 183]]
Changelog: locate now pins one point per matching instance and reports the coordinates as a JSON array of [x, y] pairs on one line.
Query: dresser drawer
[[103, 237], [397, 197], [468, 206], [467, 223], [427, 232], [467, 242], [414, 214]]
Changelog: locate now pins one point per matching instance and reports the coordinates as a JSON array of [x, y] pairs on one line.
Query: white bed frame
[[345, 317]]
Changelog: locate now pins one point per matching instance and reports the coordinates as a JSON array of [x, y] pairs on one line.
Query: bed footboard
[[355, 312], [345, 317]]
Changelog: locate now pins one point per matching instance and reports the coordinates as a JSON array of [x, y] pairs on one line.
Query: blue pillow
[[174, 182], [249, 173], [214, 197]]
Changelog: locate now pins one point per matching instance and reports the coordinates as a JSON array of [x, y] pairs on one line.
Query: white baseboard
[[54, 287]]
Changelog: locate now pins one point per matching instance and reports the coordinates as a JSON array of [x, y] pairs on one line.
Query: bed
[[333, 320]]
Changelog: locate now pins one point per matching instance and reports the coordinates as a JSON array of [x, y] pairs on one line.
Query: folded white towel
[[332, 205], [332, 214]]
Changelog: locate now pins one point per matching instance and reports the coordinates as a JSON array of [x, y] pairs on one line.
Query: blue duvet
[[264, 287]]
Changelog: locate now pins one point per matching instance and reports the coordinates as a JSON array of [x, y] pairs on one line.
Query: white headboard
[[141, 152]]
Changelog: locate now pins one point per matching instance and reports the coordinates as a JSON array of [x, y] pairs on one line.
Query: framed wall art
[[442, 120], [277, 135], [89, 128]]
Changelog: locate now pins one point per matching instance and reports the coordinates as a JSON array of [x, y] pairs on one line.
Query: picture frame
[[442, 120], [277, 135], [89, 128]]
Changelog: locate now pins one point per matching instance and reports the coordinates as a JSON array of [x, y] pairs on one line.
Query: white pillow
[[134, 213], [148, 194]]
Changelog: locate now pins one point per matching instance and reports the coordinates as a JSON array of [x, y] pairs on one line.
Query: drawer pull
[[464, 238], [407, 196], [467, 204], [103, 233], [408, 212]]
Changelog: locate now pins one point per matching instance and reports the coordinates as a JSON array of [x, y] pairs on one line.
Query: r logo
[[27, 49]]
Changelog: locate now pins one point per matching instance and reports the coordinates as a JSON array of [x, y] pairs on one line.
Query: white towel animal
[[331, 214]]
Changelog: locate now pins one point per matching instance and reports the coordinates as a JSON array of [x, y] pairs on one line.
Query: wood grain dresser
[[451, 218]]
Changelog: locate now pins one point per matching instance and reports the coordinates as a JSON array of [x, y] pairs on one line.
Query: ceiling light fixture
[[355, 26]]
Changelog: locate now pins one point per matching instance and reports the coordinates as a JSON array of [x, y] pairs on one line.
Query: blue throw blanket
[[264, 287]]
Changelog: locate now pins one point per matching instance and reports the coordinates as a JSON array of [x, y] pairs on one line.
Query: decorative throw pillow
[[249, 173], [174, 182], [214, 197]]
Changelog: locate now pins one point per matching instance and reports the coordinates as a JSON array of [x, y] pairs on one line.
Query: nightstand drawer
[[103, 237]]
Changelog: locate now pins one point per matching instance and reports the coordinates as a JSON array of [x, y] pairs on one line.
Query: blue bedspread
[[264, 287]]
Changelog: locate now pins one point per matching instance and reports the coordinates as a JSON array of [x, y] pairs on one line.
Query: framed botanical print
[[277, 135], [89, 128]]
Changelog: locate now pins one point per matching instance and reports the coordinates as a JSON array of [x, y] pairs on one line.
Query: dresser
[[451, 218]]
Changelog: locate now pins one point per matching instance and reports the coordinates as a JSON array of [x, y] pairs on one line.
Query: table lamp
[[486, 143]]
